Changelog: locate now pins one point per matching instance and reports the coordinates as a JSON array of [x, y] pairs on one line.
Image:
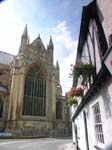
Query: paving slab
[[69, 146]]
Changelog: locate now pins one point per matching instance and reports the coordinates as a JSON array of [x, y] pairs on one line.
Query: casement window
[[1, 107], [34, 93], [58, 110], [98, 124]]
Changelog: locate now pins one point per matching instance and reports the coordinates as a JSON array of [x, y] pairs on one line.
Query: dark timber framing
[[90, 12]]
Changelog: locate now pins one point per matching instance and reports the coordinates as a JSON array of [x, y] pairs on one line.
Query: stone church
[[31, 101]]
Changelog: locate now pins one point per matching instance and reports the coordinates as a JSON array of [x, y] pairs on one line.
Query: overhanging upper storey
[[90, 72], [90, 17]]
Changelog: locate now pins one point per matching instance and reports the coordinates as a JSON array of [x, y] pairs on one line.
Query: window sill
[[34, 118], [99, 148]]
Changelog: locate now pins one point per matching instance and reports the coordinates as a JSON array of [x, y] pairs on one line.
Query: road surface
[[34, 144]]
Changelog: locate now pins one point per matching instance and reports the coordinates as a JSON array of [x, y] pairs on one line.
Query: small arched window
[[34, 93], [1, 107], [58, 110]]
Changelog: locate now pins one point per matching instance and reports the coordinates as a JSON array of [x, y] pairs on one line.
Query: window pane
[[98, 123], [34, 93]]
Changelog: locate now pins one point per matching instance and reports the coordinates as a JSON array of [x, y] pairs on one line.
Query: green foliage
[[72, 100], [82, 69]]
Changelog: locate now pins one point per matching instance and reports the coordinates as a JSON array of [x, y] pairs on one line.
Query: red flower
[[70, 93], [78, 91], [111, 62], [71, 65]]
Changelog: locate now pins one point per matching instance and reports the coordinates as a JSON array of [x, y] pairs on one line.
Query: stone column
[[14, 93], [48, 104], [20, 97], [53, 100]]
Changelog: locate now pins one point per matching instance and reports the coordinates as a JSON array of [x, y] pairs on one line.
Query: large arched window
[[34, 93], [1, 107], [58, 110]]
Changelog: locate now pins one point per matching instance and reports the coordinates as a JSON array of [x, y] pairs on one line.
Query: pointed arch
[[34, 93]]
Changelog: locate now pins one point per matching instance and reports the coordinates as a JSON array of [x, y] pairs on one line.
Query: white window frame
[[101, 144]]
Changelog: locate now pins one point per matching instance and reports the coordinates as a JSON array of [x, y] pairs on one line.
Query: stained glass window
[[34, 93]]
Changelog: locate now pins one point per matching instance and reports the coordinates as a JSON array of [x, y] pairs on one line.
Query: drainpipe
[[86, 130]]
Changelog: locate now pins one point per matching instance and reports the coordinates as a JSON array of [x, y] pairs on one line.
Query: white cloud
[[11, 28], [65, 51], [65, 69]]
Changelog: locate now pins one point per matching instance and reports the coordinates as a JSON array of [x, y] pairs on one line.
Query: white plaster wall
[[80, 124], [97, 48], [92, 26], [81, 131], [106, 109], [106, 11], [104, 97], [85, 55], [90, 43], [73, 132], [89, 127]]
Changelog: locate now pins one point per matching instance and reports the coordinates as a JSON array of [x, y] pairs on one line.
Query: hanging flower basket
[[82, 69], [75, 92], [79, 91], [71, 93], [72, 100]]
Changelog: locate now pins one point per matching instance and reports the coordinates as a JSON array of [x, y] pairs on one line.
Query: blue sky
[[59, 18]]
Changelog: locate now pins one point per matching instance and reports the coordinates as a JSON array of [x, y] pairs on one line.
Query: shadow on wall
[[109, 147], [107, 101], [1, 1]]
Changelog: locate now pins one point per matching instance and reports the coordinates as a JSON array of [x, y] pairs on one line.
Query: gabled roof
[[90, 12], [38, 43]]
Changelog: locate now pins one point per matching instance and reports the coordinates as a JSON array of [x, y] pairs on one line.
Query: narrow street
[[35, 144]]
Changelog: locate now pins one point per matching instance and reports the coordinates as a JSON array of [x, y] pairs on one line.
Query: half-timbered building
[[92, 117]]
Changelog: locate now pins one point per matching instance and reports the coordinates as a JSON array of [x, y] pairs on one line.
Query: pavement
[[37, 144], [69, 146]]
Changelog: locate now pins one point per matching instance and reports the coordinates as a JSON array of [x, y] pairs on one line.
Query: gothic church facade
[[31, 101]]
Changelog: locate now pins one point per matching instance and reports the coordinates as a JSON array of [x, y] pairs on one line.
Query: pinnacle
[[25, 33]]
